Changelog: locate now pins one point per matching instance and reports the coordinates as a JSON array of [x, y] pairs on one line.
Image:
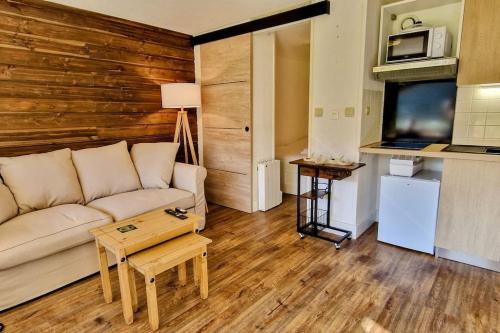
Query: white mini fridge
[[408, 210]]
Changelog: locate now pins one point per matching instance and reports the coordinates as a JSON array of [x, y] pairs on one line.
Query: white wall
[[292, 99], [343, 50], [263, 104]]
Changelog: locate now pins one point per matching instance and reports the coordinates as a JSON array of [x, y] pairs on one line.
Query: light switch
[[349, 112], [335, 115], [318, 112]]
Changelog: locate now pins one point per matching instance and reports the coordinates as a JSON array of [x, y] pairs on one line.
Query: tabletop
[[143, 231]]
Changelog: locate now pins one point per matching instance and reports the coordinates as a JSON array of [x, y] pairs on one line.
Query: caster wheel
[[301, 236], [349, 238], [337, 246]]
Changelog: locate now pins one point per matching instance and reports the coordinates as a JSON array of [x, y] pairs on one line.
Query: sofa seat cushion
[[130, 204], [44, 232]]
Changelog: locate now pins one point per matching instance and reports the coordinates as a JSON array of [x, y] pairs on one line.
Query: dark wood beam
[[294, 15]]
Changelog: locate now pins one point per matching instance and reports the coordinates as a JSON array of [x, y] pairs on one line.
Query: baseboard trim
[[468, 259]]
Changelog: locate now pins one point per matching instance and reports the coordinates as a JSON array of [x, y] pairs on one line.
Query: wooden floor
[[264, 278]]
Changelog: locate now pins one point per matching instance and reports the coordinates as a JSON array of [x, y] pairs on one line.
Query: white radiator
[[269, 184]]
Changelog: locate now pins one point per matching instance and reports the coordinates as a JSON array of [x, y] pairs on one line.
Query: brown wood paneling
[[228, 149], [479, 51], [227, 60], [226, 68], [226, 105], [72, 78], [469, 214]]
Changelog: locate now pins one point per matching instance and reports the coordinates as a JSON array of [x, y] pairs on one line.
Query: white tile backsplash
[[477, 116], [477, 119], [479, 105], [494, 105], [492, 132], [493, 119], [476, 132]]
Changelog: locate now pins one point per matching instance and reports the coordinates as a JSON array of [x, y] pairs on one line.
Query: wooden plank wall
[[72, 78]]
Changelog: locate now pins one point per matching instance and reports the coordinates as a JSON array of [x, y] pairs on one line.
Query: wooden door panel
[[479, 51], [227, 110], [469, 214], [227, 149], [229, 189], [227, 60], [227, 105]]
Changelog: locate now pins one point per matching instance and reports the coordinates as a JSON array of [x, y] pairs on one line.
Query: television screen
[[419, 111]]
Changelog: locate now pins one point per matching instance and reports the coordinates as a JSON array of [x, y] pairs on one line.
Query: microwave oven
[[419, 44]]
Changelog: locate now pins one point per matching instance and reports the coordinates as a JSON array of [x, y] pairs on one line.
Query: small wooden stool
[[162, 257]]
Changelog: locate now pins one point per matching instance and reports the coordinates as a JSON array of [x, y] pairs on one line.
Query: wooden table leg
[[154, 320], [103, 267], [181, 271], [196, 270], [123, 276], [133, 289], [204, 275]]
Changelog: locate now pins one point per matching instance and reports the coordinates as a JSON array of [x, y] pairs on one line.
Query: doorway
[[291, 116]]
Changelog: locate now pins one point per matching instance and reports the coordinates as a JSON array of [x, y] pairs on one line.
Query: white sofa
[[49, 202]]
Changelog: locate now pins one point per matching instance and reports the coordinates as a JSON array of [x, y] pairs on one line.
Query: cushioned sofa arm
[[191, 178]]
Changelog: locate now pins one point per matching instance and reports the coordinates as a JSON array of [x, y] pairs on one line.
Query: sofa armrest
[[191, 178]]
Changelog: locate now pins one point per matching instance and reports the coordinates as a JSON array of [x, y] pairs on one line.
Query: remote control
[[175, 214]]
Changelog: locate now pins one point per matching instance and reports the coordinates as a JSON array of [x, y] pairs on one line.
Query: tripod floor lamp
[[182, 95]]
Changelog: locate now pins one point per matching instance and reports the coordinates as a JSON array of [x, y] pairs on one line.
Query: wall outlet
[[349, 112], [318, 112], [335, 115]]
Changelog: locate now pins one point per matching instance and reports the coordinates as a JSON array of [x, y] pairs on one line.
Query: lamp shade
[[180, 95]]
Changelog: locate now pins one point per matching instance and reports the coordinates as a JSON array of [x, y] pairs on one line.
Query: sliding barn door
[[226, 75]]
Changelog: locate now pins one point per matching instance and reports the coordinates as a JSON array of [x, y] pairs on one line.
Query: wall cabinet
[[469, 210], [479, 50]]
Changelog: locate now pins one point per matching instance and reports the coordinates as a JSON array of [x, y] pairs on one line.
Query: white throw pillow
[[105, 171], [41, 181], [155, 163], [8, 206]]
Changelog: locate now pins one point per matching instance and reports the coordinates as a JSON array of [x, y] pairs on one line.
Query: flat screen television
[[419, 112]]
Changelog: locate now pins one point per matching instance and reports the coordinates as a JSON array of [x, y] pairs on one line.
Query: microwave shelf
[[434, 69]]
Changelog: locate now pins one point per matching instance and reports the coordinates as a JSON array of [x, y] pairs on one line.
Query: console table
[[312, 220]]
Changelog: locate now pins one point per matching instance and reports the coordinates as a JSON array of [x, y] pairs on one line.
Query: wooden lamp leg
[[183, 124]]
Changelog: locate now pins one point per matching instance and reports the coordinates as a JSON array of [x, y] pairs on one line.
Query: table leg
[[204, 275], [133, 289], [181, 271], [103, 267], [196, 270], [154, 320], [123, 276]]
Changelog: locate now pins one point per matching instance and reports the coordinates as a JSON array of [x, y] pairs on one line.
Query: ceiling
[[189, 16]]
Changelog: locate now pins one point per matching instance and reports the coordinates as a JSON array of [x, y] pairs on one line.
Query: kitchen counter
[[433, 151]]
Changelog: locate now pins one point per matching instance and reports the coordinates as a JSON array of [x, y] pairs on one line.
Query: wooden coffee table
[[137, 233]]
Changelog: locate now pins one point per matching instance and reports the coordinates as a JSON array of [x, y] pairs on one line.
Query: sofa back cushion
[[105, 171], [154, 163], [40, 181], [8, 206]]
